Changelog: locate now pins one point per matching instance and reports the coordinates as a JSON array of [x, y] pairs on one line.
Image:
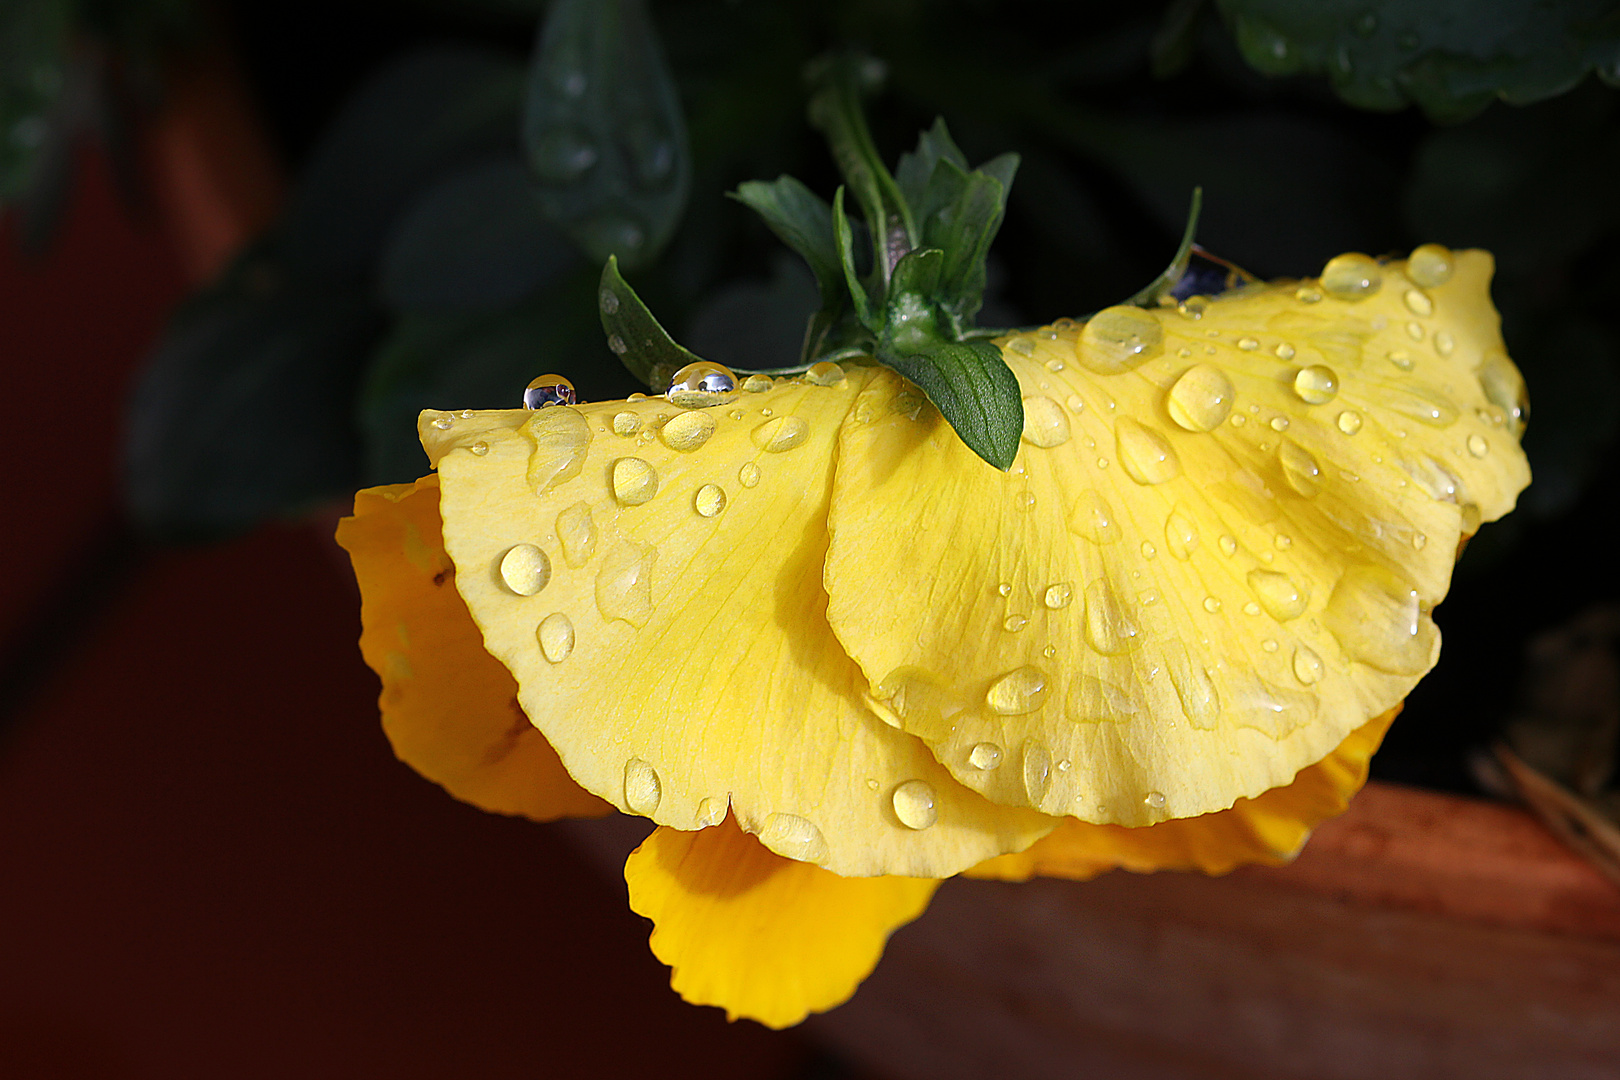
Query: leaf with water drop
[[634, 335], [604, 132]]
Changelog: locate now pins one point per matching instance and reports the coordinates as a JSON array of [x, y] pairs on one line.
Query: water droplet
[[1109, 628], [626, 423], [1045, 424], [1478, 446], [1014, 623], [1154, 800], [556, 637], [748, 474], [617, 345], [1418, 303], [1284, 351], [1212, 604], [824, 373], [914, 804], [1180, 534], [1377, 617], [1316, 385], [1054, 366], [1024, 502], [700, 385], [562, 156], [1118, 339], [548, 390], [1444, 343], [1418, 402], [1419, 541], [1307, 666], [1307, 294], [1430, 265], [1283, 541], [577, 532], [642, 789], [1148, 550], [634, 481], [1279, 594], [1238, 420], [1058, 596], [1193, 307], [1200, 399], [1200, 701], [1023, 346], [1037, 771], [1351, 277], [608, 301], [624, 583], [1269, 645], [1228, 546], [709, 500], [1299, 468], [1144, 453], [711, 812], [687, 431], [479, 448], [794, 837], [443, 423], [1504, 388], [525, 569], [1093, 519], [1020, 691], [1248, 344], [1251, 608], [1279, 423], [985, 755], [780, 434], [758, 384], [1004, 589], [1349, 421]]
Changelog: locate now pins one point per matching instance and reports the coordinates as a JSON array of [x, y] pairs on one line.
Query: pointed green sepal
[[844, 237], [974, 389], [803, 221], [636, 338]]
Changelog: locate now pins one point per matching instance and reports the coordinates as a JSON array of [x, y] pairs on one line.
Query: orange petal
[[757, 934], [1270, 828], [449, 708]]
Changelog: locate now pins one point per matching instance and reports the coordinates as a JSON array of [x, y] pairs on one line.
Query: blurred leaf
[[410, 122], [476, 239], [603, 130], [245, 410], [1451, 57], [33, 71], [1173, 42]]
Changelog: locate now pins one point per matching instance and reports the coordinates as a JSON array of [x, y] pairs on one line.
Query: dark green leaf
[[844, 237], [1450, 57], [636, 338], [973, 389], [1173, 41], [422, 114], [964, 229], [34, 39], [916, 169], [804, 222], [474, 240], [603, 130]]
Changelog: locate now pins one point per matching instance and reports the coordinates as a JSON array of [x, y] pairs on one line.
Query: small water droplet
[[626, 423], [562, 155], [525, 569], [709, 500], [711, 812], [1316, 385], [617, 345], [687, 432], [1023, 346], [1349, 421], [1045, 423], [1307, 294], [1049, 652], [1148, 550], [1109, 627], [1307, 666], [1284, 351], [914, 804], [642, 789], [1228, 546], [1478, 446], [1020, 691], [1378, 619], [1193, 307], [1154, 800], [1418, 303], [1200, 398], [1144, 453], [556, 637], [794, 837], [781, 434], [1301, 470], [443, 423], [1014, 623], [1004, 589], [1279, 594], [577, 531], [1414, 330], [1269, 645], [1430, 265], [1419, 541], [1037, 771], [479, 448], [758, 384], [1200, 701], [608, 300], [1248, 344], [1279, 423], [1118, 339], [1283, 541], [1444, 343], [1093, 519], [1024, 502], [985, 755], [1238, 420], [824, 373], [548, 390], [634, 481], [1504, 388], [1212, 604], [1353, 276], [748, 474], [1059, 595], [1419, 403]]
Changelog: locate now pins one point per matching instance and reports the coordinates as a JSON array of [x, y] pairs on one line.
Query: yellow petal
[[1270, 828], [652, 577], [759, 935], [449, 708], [1213, 558]]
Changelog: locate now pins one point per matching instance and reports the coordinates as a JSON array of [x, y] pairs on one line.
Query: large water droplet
[[1418, 303], [758, 384], [711, 812], [1045, 424], [1299, 468], [624, 583], [1430, 265], [1279, 594], [1201, 398], [642, 789], [1146, 456], [1118, 339], [1316, 385], [914, 804], [985, 755], [1058, 596], [1180, 534], [1504, 388], [780, 434], [1349, 421], [548, 390], [795, 837], [634, 481], [824, 373], [1020, 691], [626, 423], [1109, 627], [1478, 446], [556, 637], [1037, 771], [561, 438], [1378, 619], [525, 569], [687, 431], [1351, 277], [748, 475], [1200, 701], [700, 385], [709, 500], [577, 532], [1093, 519]]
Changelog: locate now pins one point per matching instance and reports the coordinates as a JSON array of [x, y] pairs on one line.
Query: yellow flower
[[837, 658]]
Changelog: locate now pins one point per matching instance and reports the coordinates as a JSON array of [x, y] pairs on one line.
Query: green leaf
[[636, 338], [843, 235], [974, 390], [963, 227], [604, 132], [474, 240], [1451, 57], [916, 169], [34, 39], [804, 222]]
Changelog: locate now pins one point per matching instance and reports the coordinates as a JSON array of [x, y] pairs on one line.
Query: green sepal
[[965, 211], [916, 168], [844, 236], [642, 345], [803, 221], [1161, 285], [973, 388]]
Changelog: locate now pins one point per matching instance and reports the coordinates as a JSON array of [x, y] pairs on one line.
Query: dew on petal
[[687, 432], [634, 481], [748, 474], [624, 583], [795, 837], [1377, 618], [1020, 691], [914, 804], [626, 423], [556, 636], [1349, 421], [1144, 453], [1200, 399], [1109, 627], [1307, 666], [1045, 424], [1316, 384], [1093, 519], [1301, 470], [1037, 771], [1351, 277], [985, 756], [780, 434], [1281, 596], [824, 373], [1180, 534], [709, 500], [1118, 339], [576, 530], [643, 791], [700, 385], [1058, 596], [548, 390], [1430, 265], [525, 569]]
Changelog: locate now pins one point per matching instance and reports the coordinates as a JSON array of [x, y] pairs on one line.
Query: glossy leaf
[[974, 390], [603, 130]]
